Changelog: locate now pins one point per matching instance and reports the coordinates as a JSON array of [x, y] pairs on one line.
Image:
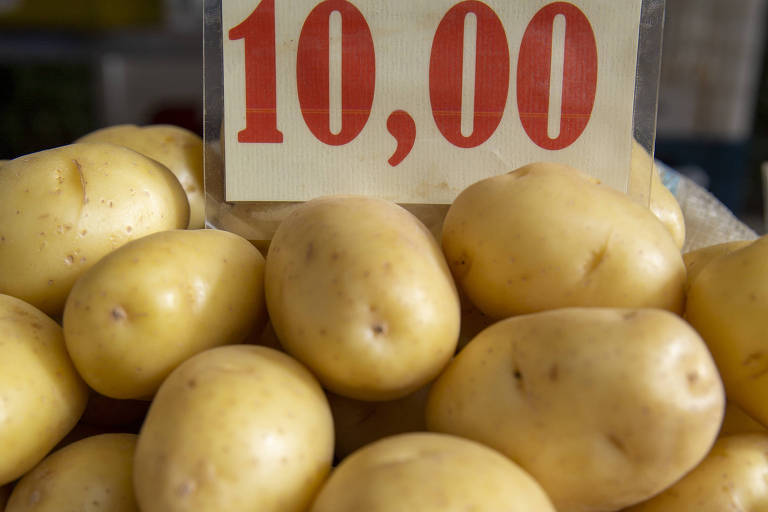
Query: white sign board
[[415, 100]]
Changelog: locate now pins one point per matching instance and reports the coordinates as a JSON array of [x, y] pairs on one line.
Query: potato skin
[[727, 304], [700, 258], [63, 209], [546, 236], [92, 474], [662, 202], [234, 428], [428, 472], [732, 477], [603, 407], [358, 290], [145, 308], [41, 394], [177, 148]]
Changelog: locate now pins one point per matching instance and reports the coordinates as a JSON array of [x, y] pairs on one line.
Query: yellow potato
[[736, 421], [700, 258], [662, 202], [234, 428], [177, 148], [426, 472], [733, 477], [603, 407], [148, 306], [41, 395], [92, 474], [63, 209], [358, 290], [547, 236], [727, 304], [360, 423]]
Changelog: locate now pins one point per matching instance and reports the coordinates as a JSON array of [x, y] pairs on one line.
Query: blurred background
[[67, 68]]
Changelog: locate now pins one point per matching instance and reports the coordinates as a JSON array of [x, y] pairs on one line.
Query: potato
[[736, 421], [358, 290], [603, 407], [662, 202], [359, 423], [234, 428], [732, 477], [177, 148], [547, 236], [63, 209], [700, 258], [145, 308], [727, 304], [41, 395], [92, 474], [426, 472]]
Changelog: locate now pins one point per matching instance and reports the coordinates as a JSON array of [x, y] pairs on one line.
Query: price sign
[[413, 100]]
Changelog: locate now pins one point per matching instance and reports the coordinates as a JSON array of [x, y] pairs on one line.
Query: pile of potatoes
[[553, 351]]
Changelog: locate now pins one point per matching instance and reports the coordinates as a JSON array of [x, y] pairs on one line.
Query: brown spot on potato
[[379, 328], [192, 383], [554, 373], [69, 259], [616, 443], [692, 377], [83, 182], [461, 265], [310, 251], [119, 314], [752, 358], [597, 259], [630, 315], [518, 375], [50, 282]]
